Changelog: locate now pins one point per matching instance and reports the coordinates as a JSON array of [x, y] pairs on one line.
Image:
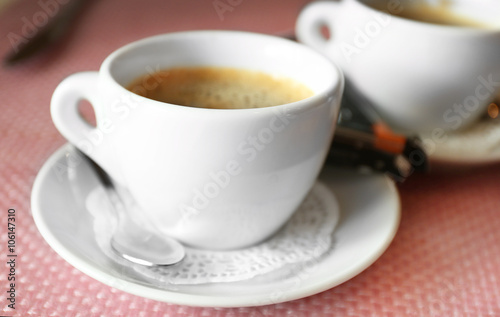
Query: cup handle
[[64, 111], [312, 18]]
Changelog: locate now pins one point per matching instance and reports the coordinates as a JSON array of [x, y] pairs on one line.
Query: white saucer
[[477, 144], [370, 213]]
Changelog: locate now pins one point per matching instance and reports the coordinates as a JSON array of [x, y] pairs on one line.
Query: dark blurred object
[[362, 140], [51, 32]]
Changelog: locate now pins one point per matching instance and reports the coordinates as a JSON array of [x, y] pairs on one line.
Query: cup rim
[[336, 85], [442, 27]]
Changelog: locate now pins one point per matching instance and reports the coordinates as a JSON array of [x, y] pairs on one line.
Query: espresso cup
[[211, 178], [421, 76]]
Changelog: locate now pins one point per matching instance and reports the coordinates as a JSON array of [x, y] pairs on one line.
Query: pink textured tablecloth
[[444, 260]]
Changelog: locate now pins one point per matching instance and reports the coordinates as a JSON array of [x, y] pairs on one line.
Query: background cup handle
[[67, 119], [312, 19]]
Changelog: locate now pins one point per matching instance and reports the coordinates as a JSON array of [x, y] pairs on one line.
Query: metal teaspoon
[[132, 242]]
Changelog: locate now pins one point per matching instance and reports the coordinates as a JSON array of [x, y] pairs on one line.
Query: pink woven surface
[[444, 260]]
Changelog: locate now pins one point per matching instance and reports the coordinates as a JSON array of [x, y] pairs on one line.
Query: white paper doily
[[305, 237]]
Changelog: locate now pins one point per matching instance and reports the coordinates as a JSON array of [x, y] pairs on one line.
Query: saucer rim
[[443, 157], [146, 290]]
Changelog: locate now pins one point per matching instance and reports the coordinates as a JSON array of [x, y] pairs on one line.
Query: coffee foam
[[219, 88], [439, 12]]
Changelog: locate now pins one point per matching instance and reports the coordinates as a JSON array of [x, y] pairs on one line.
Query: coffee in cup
[[440, 13], [219, 88]]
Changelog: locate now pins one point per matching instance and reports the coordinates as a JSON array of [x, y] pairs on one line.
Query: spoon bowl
[[146, 248], [132, 242]]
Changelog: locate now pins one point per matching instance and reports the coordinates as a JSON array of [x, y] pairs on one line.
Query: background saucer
[[477, 144]]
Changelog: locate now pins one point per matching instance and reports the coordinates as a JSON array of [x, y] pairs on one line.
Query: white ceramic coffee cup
[[212, 178], [421, 76]]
